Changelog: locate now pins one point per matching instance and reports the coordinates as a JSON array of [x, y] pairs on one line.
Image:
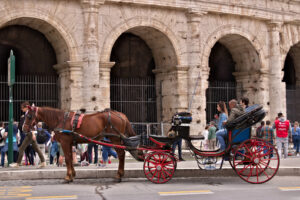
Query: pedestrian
[[205, 134], [212, 136], [29, 152], [268, 134], [54, 150], [296, 137], [42, 136], [283, 129], [2, 142], [106, 150], [258, 129], [178, 143], [15, 142], [27, 141], [236, 110], [92, 146]]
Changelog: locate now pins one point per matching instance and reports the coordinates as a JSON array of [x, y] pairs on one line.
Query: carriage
[[254, 160]]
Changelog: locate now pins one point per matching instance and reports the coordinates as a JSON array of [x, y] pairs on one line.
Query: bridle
[[30, 116]]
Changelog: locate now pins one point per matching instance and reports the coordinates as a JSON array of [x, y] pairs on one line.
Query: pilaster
[[277, 95], [70, 81], [104, 84], [90, 81]]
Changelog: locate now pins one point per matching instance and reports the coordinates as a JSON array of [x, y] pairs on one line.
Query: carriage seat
[[133, 141], [253, 115]]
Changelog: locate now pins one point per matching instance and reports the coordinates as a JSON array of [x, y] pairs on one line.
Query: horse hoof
[[118, 180], [68, 180]]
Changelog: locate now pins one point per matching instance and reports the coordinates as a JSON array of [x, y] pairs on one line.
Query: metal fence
[[292, 102], [147, 129], [38, 89], [218, 91], [136, 97]]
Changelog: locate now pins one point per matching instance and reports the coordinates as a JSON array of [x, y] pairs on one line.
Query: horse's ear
[[29, 107]]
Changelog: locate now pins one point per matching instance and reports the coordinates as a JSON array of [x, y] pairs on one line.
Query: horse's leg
[[66, 145], [121, 156], [73, 170]]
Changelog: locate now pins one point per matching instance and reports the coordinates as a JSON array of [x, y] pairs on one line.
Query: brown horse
[[93, 126]]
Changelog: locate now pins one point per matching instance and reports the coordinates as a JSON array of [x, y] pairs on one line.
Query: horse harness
[[75, 125]]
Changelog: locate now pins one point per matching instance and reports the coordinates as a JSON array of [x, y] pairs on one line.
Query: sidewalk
[[134, 169]]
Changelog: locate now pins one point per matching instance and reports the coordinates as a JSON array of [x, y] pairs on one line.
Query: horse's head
[[30, 119]]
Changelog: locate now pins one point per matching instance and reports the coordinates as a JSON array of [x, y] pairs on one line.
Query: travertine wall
[[180, 34]]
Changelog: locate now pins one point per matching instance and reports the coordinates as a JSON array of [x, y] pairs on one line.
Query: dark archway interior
[[36, 80], [292, 91], [222, 85], [133, 57], [221, 64], [289, 72], [34, 54], [132, 80]]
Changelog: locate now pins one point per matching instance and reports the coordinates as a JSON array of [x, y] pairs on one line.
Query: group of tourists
[[279, 133], [39, 140], [215, 132]]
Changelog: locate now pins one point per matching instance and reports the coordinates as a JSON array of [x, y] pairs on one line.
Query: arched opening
[[291, 73], [132, 80], [143, 56], [222, 84], [234, 72], [36, 80]]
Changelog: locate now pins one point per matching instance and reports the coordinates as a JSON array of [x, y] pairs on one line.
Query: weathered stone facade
[[180, 34]]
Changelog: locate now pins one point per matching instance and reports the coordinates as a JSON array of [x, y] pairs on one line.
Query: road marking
[[52, 197], [15, 192], [193, 192], [289, 188]]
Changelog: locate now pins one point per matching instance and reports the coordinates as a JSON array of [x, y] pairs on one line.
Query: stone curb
[[35, 174]]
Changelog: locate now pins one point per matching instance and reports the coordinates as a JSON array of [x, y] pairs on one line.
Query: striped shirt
[[267, 133]]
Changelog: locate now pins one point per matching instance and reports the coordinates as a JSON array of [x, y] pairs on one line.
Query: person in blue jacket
[[15, 143]]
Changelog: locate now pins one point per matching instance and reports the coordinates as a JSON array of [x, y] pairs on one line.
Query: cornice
[[200, 7]]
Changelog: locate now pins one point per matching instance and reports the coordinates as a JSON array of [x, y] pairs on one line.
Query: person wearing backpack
[[42, 136], [15, 142]]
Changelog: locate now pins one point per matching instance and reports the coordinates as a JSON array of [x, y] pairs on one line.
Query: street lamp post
[[11, 81]]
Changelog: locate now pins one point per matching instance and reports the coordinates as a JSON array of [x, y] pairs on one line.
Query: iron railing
[[135, 97], [147, 129], [38, 89], [218, 91]]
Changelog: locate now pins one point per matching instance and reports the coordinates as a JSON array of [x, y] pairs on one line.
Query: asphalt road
[[215, 188]]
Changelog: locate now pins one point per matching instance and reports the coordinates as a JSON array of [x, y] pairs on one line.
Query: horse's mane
[[52, 114]]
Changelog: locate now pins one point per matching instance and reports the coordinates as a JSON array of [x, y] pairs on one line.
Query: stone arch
[[150, 30], [224, 34], [247, 56], [54, 30]]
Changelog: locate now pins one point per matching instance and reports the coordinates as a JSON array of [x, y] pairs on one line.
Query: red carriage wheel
[[256, 161], [159, 167]]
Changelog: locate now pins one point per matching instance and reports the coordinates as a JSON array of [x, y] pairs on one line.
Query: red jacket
[[282, 128]]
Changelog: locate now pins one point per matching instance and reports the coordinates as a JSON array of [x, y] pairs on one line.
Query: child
[[211, 135], [205, 134]]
